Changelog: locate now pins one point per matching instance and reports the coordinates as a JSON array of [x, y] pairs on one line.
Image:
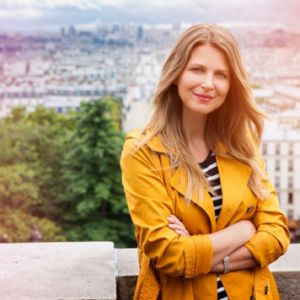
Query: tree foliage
[[40, 141], [67, 167], [97, 206], [17, 193]]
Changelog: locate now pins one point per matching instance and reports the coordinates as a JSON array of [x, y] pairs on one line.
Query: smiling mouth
[[203, 98]]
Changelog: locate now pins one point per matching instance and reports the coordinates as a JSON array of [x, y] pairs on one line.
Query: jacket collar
[[155, 144]]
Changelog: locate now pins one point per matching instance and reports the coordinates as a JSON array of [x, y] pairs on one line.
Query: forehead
[[209, 56]]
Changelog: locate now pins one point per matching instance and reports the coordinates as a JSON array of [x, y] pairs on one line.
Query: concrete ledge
[[51, 271], [96, 271]]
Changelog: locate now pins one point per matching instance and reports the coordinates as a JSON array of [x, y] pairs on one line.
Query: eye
[[222, 75], [198, 70]]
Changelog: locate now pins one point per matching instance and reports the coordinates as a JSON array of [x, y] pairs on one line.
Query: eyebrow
[[201, 66]]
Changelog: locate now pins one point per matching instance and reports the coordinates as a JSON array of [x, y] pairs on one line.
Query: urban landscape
[[80, 218], [59, 70]]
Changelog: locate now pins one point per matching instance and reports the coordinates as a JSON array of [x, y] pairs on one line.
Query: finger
[[172, 219], [175, 219], [181, 232], [175, 226]]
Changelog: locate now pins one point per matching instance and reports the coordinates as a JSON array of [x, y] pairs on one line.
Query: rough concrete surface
[[128, 269], [289, 262], [96, 271], [286, 271], [288, 285], [127, 262], [52, 271]]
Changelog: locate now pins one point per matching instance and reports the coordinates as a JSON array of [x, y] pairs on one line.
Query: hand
[[177, 226]]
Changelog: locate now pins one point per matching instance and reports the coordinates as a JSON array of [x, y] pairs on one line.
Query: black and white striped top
[[210, 168]]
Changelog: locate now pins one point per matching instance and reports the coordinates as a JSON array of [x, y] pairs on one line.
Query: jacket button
[[252, 298], [266, 290], [250, 209]]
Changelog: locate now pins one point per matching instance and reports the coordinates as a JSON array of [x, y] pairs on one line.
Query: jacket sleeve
[[272, 237], [150, 205]]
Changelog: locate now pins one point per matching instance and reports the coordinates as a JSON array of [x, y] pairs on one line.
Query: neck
[[193, 126]]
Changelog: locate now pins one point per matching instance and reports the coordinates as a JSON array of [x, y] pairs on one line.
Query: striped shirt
[[210, 169]]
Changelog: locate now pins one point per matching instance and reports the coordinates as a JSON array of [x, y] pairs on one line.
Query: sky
[[22, 15]]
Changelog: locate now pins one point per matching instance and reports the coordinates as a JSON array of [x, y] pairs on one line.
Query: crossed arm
[[227, 242]]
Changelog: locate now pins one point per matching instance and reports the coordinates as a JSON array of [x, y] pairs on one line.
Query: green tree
[[17, 193], [97, 209], [39, 140]]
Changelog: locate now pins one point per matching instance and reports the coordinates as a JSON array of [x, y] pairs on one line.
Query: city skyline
[[30, 15]]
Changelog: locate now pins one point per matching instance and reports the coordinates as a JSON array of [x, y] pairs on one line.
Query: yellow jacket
[[177, 268]]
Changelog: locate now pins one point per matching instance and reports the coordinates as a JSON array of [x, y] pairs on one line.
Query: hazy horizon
[[28, 15]]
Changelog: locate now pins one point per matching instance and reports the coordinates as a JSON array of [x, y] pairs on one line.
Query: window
[[277, 182], [290, 214], [291, 182], [291, 198], [264, 148], [291, 165], [291, 149], [277, 165], [277, 149]]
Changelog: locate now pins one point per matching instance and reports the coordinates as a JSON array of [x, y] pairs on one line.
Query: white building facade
[[281, 151]]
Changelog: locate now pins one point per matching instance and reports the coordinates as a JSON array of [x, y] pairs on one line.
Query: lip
[[203, 98]]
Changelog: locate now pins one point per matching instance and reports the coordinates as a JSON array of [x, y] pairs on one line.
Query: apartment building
[[281, 151]]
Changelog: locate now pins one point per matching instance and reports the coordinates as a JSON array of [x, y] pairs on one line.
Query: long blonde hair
[[227, 125]]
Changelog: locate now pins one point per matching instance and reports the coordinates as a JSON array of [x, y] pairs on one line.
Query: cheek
[[187, 82], [223, 88]]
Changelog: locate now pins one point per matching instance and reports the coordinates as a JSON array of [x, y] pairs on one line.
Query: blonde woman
[[206, 215]]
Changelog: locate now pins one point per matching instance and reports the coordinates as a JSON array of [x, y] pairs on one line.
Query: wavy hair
[[230, 125]]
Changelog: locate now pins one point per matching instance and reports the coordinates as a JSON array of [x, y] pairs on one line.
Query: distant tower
[[115, 29], [140, 33], [63, 32], [72, 32]]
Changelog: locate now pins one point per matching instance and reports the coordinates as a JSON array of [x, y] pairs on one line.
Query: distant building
[[62, 105], [290, 118], [281, 152], [140, 33], [136, 102], [72, 32], [63, 32]]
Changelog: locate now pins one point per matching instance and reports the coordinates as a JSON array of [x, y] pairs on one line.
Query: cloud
[[72, 12], [24, 13], [80, 4]]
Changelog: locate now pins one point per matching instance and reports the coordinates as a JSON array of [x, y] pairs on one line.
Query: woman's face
[[204, 83]]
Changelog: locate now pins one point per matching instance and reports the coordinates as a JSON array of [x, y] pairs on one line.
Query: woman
[[206, 215]]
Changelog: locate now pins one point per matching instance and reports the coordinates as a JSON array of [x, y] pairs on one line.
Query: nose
[[207, 82]]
